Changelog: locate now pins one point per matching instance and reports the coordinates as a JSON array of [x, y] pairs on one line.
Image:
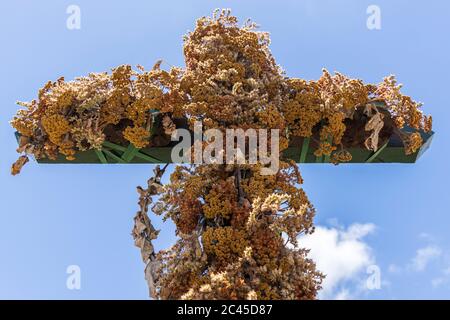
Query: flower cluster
[[231, 242], [413, 143], [220, 199], [230, 80], [79, 115], [323, 109], [138, 136], [234, 224], [223, 244]]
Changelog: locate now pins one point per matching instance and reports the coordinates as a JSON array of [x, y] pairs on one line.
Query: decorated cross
[[238, 227]]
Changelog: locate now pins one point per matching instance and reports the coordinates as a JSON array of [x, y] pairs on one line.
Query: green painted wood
[[377, 153], [130, 153], [114, 146], [305, 147], [393, 152], [319, 159], [113, 156], [101, 156], [147, 158]]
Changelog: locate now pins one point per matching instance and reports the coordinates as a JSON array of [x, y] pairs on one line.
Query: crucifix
[[237, 226]]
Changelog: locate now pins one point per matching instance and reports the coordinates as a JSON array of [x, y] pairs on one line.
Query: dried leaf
[[143, 231], [375, 124], [17, 166], [157, 65], [168, 125]]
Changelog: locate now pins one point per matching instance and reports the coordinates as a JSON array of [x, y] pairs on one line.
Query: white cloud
[[446, 271], [343, 294], [341, 254], [393, 268], [437, 282], [443, 279], [427, 237], [424, 256]]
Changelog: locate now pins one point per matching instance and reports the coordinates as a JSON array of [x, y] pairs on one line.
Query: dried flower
[[17, 166], [413, 143], [138, 136]]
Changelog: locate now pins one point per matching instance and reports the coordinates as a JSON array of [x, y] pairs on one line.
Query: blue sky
[[393, 216]]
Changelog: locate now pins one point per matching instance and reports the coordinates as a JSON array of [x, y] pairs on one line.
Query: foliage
[[237, 229], [230, 80]]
